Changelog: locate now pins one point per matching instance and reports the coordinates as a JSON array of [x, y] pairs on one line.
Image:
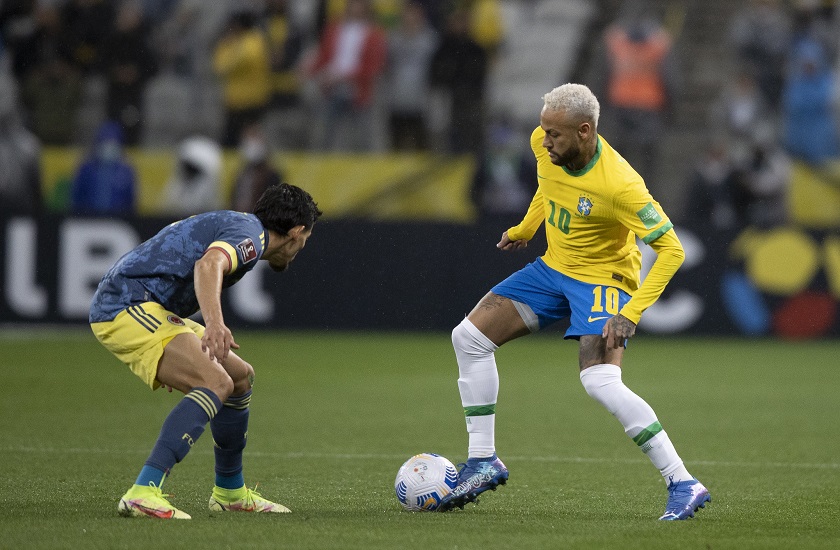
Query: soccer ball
[[423, 481]]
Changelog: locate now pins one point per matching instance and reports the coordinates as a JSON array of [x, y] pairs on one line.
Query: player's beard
[[568, 156]]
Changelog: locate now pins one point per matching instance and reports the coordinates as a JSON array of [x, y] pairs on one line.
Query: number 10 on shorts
[[605, 300]]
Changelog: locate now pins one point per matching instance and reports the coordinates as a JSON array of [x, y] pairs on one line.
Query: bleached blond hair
[[576, 99]]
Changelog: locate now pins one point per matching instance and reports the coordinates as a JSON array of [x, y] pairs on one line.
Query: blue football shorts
[[553, 296]]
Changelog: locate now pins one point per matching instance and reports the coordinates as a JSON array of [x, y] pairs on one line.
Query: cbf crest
[[584, 205]]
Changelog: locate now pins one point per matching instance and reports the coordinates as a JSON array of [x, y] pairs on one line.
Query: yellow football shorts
[[138, 334]]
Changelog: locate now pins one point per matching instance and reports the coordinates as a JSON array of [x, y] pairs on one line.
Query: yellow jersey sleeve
[[532, 221], [670, 256], [636, 210]]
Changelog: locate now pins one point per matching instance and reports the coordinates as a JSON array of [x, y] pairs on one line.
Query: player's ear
[[584, 129], [296, 232]]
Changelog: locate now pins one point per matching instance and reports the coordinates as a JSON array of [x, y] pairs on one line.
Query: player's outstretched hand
[[618, 329], [218, 341], [507, 244]]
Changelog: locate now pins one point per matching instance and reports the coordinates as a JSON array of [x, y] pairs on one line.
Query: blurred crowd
[[781, 107], [257, 75]]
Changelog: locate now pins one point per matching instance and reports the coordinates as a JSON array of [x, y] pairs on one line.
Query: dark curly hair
[[284, 206]]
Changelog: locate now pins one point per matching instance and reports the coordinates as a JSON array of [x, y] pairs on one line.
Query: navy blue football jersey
[[161, 269]]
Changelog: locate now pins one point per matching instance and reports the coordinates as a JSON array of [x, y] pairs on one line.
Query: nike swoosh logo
[[591, 319]]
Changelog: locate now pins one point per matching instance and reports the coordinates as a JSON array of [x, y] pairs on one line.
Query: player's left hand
[[218, 341], [618, 329]]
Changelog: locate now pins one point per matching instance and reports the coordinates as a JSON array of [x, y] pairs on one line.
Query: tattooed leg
[[498, 318], [594, 351]]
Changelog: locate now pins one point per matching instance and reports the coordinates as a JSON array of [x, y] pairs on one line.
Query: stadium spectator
[[105, 182], [384, 12], [349, 60], [194, 186], [20, 181], [592, 207], [241, 60], [815, 19], [808, 111], [287, 121], [410, 49], [459, 69], [764, 181], [712, 189], [285, 44], [436, 12], [140, 313], [18, 34], [257, 173], [505, 179], [51, 85], [760, 33], [87, 24], [128, 63], [640, 86], [486, 25], [741, 110]]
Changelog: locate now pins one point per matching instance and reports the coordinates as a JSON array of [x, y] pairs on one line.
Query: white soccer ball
[[423, 481]]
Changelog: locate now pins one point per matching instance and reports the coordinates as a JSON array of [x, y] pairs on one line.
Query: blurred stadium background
[[117, 117]]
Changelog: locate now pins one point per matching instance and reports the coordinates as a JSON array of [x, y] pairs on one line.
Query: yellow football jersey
[[592, 217]]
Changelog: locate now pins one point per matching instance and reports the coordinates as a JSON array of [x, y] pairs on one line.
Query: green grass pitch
[[334, 415]]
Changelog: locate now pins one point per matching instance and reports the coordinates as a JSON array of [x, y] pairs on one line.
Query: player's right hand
[[507, 244], [218, 341]]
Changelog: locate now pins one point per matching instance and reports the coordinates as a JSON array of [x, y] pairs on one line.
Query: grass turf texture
[[334, 415]]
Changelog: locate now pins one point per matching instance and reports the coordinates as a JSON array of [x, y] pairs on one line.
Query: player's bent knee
[[467, 339], [219, 382], [247, 382], [226, 389], [462, 339]]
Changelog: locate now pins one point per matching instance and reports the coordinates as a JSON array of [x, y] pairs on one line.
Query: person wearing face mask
[[20, 177], [257, 173], [105, 182], [194, 186]]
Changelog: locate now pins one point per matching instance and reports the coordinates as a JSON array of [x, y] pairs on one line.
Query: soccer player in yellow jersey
[[594, 205]]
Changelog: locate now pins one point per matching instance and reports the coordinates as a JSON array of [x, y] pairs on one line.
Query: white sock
[[478, 383], [603, 383]]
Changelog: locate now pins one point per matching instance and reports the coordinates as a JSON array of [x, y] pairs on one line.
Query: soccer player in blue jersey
[[593, 205], [139, 313]]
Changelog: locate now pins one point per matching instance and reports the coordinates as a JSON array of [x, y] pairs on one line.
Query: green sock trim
[[480, 410], [646, 434]]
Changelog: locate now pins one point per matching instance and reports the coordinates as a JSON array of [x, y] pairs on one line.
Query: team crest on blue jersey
[[584, 205]]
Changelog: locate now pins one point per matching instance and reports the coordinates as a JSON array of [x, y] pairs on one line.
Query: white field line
[[305, 455]]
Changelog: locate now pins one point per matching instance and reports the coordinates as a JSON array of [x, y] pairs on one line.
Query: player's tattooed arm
[[618, 329]]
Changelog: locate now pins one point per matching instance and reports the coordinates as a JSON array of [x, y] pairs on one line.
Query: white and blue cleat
[[685, 498], [476, 476]]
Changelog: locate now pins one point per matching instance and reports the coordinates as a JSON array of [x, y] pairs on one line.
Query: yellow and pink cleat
[[148, 501], [243, 500]]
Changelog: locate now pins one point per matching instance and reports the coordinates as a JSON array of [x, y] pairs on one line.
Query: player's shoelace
[[158, 492]]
